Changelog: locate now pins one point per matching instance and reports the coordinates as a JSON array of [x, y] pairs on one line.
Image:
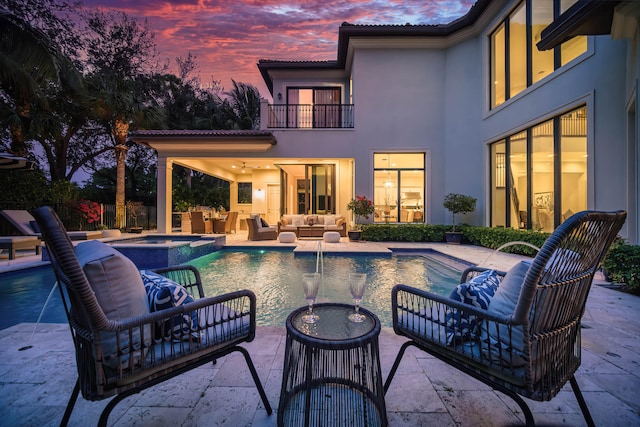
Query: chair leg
[[72, 402], [104, 417], [256, 379], [583, 404], [396, 363]]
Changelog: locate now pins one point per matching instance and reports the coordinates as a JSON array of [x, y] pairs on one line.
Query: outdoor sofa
[[328, 222]]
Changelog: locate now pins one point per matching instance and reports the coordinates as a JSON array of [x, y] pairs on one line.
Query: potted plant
[[362, 208], [457, 204], [135, 209]]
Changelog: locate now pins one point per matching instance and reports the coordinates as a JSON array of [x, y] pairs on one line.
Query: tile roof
[[348, 30]]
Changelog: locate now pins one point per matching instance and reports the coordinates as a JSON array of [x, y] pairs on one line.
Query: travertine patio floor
[[35, 383]]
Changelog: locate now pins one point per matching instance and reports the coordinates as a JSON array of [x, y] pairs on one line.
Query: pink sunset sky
[[229, 37]]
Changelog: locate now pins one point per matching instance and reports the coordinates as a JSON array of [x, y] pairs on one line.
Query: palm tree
[[119, 55], [120, 106], [245, 100], [29, 65]]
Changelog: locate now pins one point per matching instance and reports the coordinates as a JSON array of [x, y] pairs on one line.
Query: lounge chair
[[26, 225], [525, 339], [258, 232], [121, 347], [16, 243]]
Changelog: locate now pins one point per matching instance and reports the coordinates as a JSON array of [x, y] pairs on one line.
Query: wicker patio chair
[[200, 224], [118, 355], [527, 341]]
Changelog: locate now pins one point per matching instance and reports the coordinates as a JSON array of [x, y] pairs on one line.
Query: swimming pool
[[274, 275], [276, 278]]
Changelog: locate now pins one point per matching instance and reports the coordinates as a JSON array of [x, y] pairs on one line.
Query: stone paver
[[35, 382]]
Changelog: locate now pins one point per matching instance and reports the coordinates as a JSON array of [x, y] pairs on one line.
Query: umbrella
[[10, 162]]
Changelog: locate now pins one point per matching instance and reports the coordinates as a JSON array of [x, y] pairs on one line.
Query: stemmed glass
[[311, 283], [357, 284]]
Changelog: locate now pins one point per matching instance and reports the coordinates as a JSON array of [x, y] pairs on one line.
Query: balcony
[[310, 116]]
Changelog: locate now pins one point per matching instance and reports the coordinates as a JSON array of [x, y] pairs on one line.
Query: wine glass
[[357, 284], [311, 283]]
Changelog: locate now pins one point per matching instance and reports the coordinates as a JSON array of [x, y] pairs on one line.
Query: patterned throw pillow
[[163, 293], [478, 291]]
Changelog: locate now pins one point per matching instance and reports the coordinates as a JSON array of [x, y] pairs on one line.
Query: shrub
[[487, 237], [622, 265]]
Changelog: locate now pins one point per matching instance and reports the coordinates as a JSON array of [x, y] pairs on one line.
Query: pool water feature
[[274, 275], [276, 278]]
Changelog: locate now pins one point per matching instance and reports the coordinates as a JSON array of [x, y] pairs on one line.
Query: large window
[[399, 187], [539, 175], [516, 63]]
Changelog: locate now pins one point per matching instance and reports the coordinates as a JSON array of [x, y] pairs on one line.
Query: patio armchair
[[226, 223], [123, 348], [200, 224], [521, 336], [230, 224], [258, 232]]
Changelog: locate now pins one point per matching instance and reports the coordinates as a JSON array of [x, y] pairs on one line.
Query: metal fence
[[73, 220]]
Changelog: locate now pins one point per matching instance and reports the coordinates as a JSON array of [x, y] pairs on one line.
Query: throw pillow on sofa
[[120, 292]]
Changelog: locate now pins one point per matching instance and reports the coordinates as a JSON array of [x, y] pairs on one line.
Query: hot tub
[[163, 250]]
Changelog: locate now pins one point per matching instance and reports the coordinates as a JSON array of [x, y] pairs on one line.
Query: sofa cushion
[[120, 292], [329, 220], [297, 220], [163, 293], [477, 292]]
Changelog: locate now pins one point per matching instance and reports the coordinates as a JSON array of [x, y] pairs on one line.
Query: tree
[[32, 65], [245, 101], [119, 55]]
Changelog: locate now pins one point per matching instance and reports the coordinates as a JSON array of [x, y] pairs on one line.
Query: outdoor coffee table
[[332, 373], [311, 231]]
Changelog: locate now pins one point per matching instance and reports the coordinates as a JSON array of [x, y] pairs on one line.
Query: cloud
[[229, 37]]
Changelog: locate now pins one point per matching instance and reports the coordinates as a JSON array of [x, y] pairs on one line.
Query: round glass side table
[[332, 373]]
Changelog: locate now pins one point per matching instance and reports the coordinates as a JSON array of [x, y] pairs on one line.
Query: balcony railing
[[312, 116]]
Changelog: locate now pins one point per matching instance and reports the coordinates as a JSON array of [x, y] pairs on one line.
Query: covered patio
[[250, 159]]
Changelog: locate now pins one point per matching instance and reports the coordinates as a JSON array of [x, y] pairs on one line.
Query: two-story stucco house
[[528, 105]]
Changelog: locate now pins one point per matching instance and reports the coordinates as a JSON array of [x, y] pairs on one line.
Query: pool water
[[275, 277], [23, 294]]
